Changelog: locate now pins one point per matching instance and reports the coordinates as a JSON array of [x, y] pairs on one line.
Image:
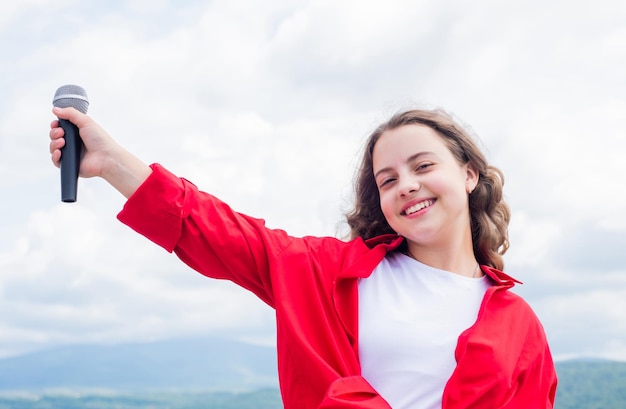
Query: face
[[423, 188]]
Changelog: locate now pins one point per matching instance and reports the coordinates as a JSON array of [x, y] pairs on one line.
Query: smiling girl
[[413, 312]]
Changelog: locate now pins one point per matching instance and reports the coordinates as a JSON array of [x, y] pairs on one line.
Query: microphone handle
[[70, 161]]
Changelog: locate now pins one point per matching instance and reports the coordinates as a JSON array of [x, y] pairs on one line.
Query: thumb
[[71, 114]]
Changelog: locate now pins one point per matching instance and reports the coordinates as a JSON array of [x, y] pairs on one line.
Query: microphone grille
[[71, 96]]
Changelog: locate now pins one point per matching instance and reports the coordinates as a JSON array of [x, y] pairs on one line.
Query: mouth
[[417, 207]]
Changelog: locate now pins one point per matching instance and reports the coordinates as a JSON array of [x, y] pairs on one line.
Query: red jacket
[[503, 360]]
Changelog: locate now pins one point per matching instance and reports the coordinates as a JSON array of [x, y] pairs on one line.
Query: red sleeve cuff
[[352, 392], [158, 206]]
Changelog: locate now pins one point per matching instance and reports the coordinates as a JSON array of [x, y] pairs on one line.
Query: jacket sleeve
[[204, 232], [535, 382], [545, 392], [352, 392]]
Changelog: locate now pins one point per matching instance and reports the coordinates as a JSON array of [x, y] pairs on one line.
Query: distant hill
[[261, 399], [190, 368], [591, 384], [187, 364]]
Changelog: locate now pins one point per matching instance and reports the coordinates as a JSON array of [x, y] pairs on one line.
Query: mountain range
[[182, 364], [187, 366]]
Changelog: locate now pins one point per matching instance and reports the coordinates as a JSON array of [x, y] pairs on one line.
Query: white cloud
[[72, 278], [586, 322], [266, 104]]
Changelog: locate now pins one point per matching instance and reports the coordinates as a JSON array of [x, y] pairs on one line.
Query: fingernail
[[57, 109]]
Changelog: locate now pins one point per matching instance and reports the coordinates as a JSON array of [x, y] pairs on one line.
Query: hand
[[102, 156], [99, 146]]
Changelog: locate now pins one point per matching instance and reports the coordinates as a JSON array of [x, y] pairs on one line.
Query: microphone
[[75, 97]]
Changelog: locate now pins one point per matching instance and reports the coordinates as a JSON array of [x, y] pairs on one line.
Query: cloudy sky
[[266, 103]]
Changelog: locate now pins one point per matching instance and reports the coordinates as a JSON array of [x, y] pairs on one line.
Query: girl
[[413, 312]]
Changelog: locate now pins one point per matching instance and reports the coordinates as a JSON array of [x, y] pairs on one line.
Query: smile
[[417, 207]]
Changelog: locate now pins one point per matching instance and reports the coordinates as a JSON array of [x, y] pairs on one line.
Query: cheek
[[455, 193], [450, 185], [387, 205]]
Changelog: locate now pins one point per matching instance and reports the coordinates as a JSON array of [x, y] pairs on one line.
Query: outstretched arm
[[103, 157]]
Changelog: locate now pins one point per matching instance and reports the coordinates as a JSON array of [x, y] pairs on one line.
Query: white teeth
[[418, 207]]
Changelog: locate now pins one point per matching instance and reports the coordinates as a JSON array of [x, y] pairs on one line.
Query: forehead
[[403, 142]]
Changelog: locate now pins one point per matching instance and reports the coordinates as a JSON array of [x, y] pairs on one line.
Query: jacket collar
[[379, 246], [500, 278], [371, 251], [392, 240]]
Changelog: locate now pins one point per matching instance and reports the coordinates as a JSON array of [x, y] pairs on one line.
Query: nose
[[408, 184]]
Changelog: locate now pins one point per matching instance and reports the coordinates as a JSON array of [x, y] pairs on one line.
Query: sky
[[266, 104]]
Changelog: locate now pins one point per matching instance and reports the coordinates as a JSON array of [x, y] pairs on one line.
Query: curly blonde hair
[[489, 213]]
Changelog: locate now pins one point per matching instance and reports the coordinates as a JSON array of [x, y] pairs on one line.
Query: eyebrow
[[408, 160]]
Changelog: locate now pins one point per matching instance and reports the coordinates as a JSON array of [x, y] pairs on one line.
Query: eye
[[385, 182], [423, 166]]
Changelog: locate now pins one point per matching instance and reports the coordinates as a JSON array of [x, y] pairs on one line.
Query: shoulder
[[327, 251], [333, 247], [503, 302], [514, 312], [339, 258]]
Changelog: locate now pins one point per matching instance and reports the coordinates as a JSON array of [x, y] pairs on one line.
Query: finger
[[62, 113], [54, 124], [71, 114], [56, 158], [56, 133], [56, 145]]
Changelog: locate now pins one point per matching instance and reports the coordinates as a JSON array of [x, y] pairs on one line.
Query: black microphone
[[76, 97]]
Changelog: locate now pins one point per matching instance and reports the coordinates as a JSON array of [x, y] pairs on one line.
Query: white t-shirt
[[410, 318]]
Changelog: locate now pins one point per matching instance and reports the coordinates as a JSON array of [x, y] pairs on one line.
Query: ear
[[471, 178]]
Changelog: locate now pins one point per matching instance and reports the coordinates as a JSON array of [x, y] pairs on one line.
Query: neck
[[457, 259]]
